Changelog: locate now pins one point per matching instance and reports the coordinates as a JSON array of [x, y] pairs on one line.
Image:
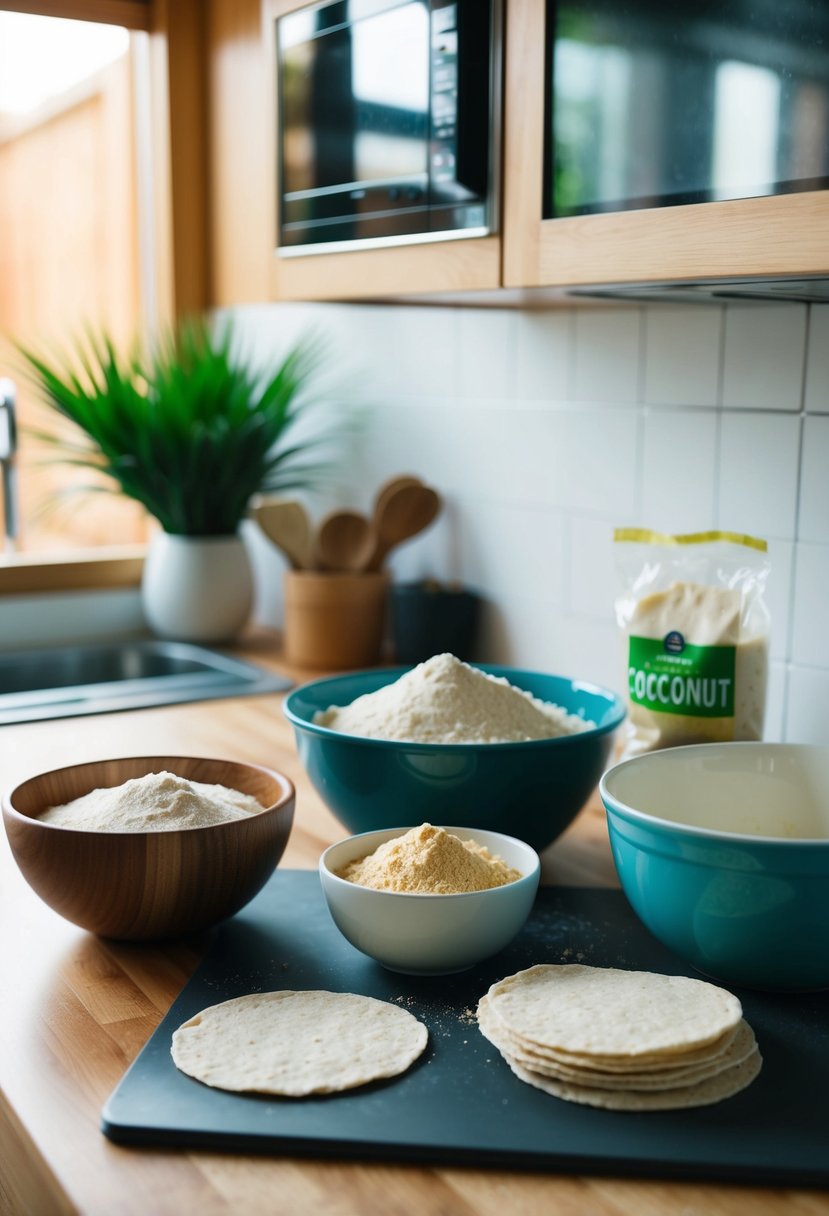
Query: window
[[74, 246], [170, 47]]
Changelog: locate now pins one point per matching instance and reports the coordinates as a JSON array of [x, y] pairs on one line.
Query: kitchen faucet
[[8, 450]]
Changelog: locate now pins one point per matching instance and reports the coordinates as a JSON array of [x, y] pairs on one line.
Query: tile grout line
[[641, 412], [718, 436], [796, 538]]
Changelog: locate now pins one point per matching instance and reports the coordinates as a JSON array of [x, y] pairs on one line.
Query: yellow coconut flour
[[430, 861]]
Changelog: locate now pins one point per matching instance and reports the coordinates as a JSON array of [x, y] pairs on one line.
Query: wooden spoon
[[406, 512], [390, 486], [345, 541], [286, 523]]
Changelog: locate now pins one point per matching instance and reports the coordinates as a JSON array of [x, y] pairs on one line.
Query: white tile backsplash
[[530, 633], [810, 636], [778, 595], [813, 519], [422, 358], [758, 473], [516, 548], [679, 471], [807, 705], [422, 438], [578, 459], [591, 568], [545, 429], [544, 355], [607, 362], [487, 353], [682, 355], [764, 356], [585, 650], [570, 458], [775, 724], [516, 629]]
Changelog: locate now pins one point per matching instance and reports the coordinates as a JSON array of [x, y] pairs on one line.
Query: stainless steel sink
[[65, 682]]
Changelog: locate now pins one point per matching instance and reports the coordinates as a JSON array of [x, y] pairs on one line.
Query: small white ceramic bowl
[[429, 934]]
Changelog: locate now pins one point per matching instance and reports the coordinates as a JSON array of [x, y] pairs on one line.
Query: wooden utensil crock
[[142, 886], [334, 621]]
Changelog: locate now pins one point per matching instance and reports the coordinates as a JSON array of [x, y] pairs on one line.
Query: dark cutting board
[[460, 1103]]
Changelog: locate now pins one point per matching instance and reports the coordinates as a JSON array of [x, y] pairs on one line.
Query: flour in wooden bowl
[[156, 802], [447, 701]]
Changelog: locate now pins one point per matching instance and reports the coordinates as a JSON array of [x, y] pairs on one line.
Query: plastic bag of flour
[[695, 630]]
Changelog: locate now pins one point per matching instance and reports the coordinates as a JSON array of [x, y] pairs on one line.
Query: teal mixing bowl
[[723, 851], [529, 790]]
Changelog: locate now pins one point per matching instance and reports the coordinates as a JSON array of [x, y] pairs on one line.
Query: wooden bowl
[[142, 886]]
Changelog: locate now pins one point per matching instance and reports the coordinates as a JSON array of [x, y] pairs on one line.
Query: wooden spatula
[[286, 523]]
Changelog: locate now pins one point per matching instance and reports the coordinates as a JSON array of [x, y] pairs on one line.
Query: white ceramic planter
[[197, 588]]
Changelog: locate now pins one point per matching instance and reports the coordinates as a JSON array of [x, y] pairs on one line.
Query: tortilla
[[619, 1017], [298, 1043], [608, 1066], [622, 1040], [741, 1046], [703, 1093]]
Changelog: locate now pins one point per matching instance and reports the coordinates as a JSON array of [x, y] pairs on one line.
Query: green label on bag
[[669, 676]]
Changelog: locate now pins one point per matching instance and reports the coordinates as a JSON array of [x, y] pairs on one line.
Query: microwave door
[[332, 112], [355, 128]]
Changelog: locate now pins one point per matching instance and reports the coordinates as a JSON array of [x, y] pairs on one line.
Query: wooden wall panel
[[241, 186], [180, 146]]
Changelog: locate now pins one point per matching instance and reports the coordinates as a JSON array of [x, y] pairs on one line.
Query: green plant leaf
[[187, 427]]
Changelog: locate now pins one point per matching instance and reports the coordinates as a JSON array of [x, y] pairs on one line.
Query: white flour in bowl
[[446, 701], [153, 803]]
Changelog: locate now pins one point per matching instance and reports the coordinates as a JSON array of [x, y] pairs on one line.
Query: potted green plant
[[192, 432]]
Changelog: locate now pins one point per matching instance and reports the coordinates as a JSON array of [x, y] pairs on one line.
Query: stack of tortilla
[[624, 1040]]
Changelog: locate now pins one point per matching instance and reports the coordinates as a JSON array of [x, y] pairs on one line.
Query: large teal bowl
[[723, 851], [529, 790]]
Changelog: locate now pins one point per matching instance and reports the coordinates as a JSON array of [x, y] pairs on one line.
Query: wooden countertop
[[76, 1010]]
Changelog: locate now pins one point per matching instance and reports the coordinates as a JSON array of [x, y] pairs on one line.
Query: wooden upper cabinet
[[461, 263], [467, 264], [784, 235]]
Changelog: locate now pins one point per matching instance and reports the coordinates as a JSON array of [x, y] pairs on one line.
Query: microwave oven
[[386, 123]]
